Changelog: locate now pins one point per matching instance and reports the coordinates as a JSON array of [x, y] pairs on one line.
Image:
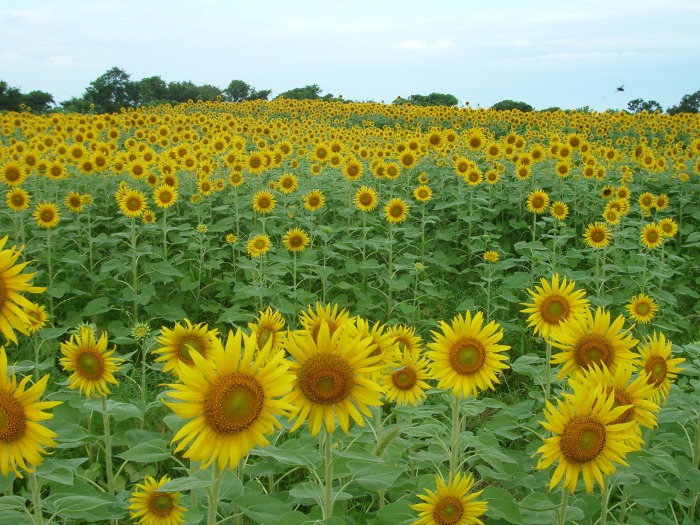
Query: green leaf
[[373, 476], [262, 508], [59, 470], [537, 502], [148, 452], [97, 306], [501, 505], [187, 483], [115, 408], [396, 513]]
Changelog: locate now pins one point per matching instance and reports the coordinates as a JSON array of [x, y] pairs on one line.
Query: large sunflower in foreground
[[537, 201], [658, 363], [466, 357], [404, 380], [22, 437], [232, 402], [585, 438], [332, 378], [553, 303], [180, 342], [92, 365], [263, 201], [12, 283], [132, 203], [593, 339], [451, 504], [295, 240], [151, 506], [258, 246]]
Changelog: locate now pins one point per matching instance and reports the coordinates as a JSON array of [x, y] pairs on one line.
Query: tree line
[[114, 90]]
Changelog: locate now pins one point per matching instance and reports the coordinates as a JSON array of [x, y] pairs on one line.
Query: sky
[[568, 54]]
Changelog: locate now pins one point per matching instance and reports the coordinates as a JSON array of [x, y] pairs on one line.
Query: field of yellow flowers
[[299, 312]]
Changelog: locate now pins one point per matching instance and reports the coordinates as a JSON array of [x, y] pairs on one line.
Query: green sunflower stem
[[35, 343], [548, 372], [36, 497], [165, 234], [605, 499], [390, 264], [144, 354], [214, 494], [49, 268], [696, 447], [564, 506], [454, 443], [108, 447], [328, 476], [134, 268]]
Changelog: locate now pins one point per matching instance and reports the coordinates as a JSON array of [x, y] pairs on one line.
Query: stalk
[[564, 505], [49, 267], [390, 263], [328, 475], [108, 447], [36, 497], [134, 268], [214, 493], [604, 497], [454, 449]]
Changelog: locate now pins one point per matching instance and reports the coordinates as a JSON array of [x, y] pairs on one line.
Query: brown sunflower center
[[263, 202], [353, 170], [13, 420], [365, 199], [166, 197], [296, 240], [186, 347], [90, 365], [593, 349], [18, 199], [161, 504], [657, 368], [326, 379], [622, 398], [3, 291], [554, 308], [652, 236], [133, 204], [537, 202], [75, 201], [314, 201], [264, 335], [473, 177], [598, 235], [259, 244], [642, 308], [404, 379], [46, 215], [467, 356], [448, 510], [12, 174], [396, 211], [583, 439], [233, 402]]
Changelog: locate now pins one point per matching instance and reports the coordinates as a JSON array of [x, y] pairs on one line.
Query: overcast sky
[[544, 52]]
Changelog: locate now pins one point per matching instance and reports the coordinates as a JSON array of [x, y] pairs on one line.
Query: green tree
[[433, 99], [506, 105], [111, 91], [39, 101], [75, 105], [238, 91], [152, 90], [182, 91], [638, 105], [311, 92], [10, 97], [688, 104]]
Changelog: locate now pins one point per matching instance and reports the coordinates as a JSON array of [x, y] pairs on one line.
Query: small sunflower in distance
[[404, 379], [46, 215], [559, 210], [332, 378], [668, 227], [597, 235], [314, 200], [652, 236], [396, 211], [585, 440], [92, 365], [258, 245], [295, 240], [17, 199], [312, 318], [132, 203], [466, 357], [230, 238], [451, 504], [264, 202], [537, 201], [151, 506], [36, 317], [491, 256], [288, 183], [232, 402], [554, 303], [659, 365], [642, 308], [74, 202], [365, 199], [22, 436], [165, 196], [593, 339], [422, 193], [180, 342]]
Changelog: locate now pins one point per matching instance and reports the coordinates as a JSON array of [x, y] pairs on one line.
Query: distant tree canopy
[[688, 104], [506, 105], [310, 92], [638, 105], [434, 99], [238, 91], [12, 99]]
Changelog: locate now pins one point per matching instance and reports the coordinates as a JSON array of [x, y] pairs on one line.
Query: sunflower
[[235, 179], [17, 199], [554, 303], [491, 256], [661, 202], [22, 436], [646, 201], [396, 210], [652, 236], [165, 196], [180, 342], [473, 176], [314, 200], [92, 365], [365, 199], [404, 379], [492, 177], [381, 337], [537, 201], [12, 174], [422, 193], [46, 215], [607, 192], [36, 317], [232, 401], [466, 357], [205, 186], [132, 203], [288, 183], [585, 438], [668, 227], [268, 326], [634, 394], [563, 169], [311, 319], [592, 339], [263, 201], [657, 363], [230, 238], [611, 216], [332, 378], [559, 210], [74, 201], [148, 216], [352, 169], [295, 240], [258, 245], [597, 235], [405, 337], [451, 504], [642, 308], [151, 506]]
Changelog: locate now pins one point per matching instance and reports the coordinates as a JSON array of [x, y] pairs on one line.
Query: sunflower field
[[307, 312]]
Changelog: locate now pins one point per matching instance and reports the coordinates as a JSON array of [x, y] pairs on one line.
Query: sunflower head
[[659, 365], [642, 308], [295, 240], [552, 303], [178, 344], [151, 506], [396, 211], [366, 199], [451, 503]]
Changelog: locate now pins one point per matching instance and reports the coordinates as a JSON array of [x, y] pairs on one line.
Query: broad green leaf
[[148, 452], [501, 505]]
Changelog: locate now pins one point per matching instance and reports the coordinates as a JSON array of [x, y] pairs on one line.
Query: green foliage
[[688, 104], [12, 99], [308, 92], [238, 91], [112, 91], [638, 105], [433, 99], [509, 105]]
